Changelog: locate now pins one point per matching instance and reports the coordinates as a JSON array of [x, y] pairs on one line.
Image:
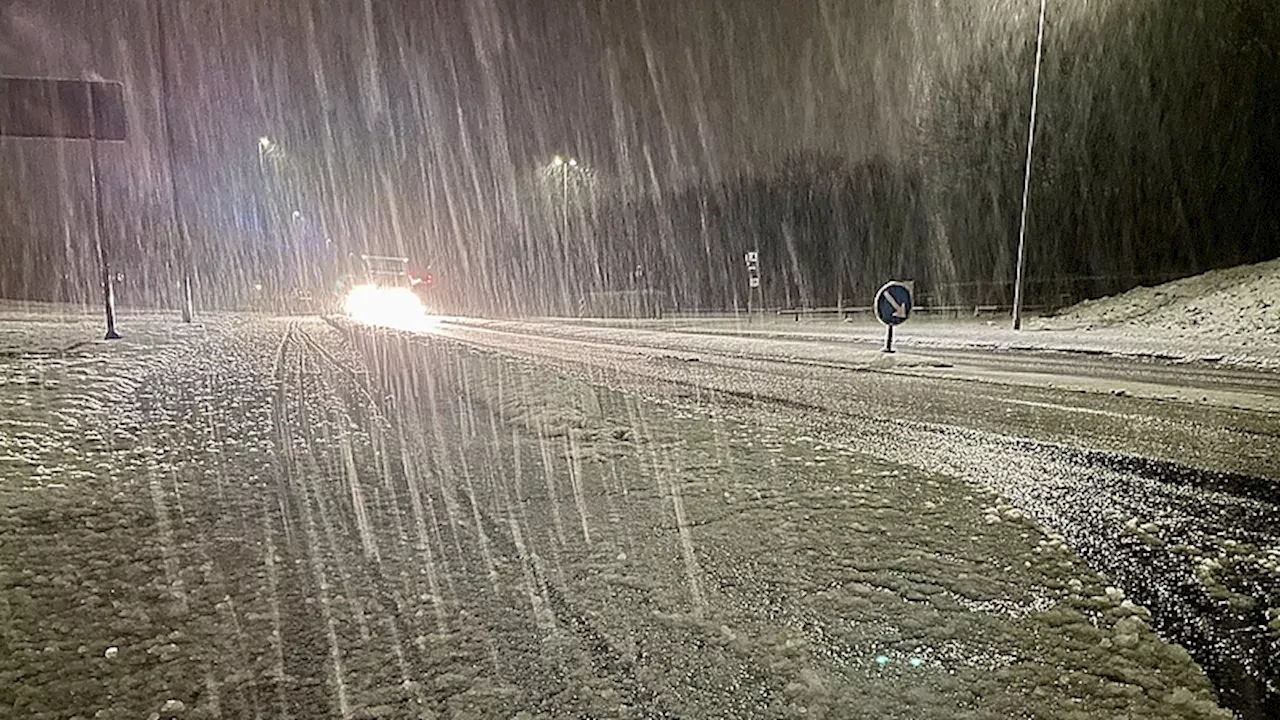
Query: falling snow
[[514, 359]]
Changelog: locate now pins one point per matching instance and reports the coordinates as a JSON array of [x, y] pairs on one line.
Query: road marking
[[1070, 408]]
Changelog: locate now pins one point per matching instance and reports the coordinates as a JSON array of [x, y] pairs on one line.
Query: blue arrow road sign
[[893, 303]]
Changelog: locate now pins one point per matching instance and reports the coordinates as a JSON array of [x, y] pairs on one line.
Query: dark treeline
[[1156, 157], [825, 231], [1155, 152]]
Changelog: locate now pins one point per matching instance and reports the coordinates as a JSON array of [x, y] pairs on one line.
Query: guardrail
[[845, 313], [852, 311]]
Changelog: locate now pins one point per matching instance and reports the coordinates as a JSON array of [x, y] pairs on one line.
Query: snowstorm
[[536, 359]]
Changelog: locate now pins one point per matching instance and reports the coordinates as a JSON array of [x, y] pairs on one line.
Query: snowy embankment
[[46, 328], [1238, 307], [40, 328]]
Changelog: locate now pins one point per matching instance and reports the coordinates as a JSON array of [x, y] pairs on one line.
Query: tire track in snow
[[298, 488], [500, 536]]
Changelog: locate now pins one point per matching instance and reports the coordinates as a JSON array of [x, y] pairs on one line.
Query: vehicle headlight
[[388, 307]]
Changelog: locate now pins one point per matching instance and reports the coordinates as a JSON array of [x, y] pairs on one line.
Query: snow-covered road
[[268, 518], [1166, 483]]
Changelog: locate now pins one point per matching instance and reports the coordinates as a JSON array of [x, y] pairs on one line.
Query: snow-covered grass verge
[[689, 346], [1228, 316], [111, 459]]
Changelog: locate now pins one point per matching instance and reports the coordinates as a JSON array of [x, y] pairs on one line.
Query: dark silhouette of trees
[[1156, 151]]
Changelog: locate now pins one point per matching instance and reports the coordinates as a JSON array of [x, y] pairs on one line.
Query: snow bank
[[38, 329], [45, 329], [1240, 303]]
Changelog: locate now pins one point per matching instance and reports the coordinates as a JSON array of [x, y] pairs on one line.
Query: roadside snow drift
[[1239, 302]]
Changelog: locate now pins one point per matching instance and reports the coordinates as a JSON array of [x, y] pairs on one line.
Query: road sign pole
[[99, 237], [892, 306], [51, 108]]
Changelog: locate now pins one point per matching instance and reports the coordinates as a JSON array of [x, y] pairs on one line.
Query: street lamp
[[264, 146], [162, 55], [1026, 178], [563, 164]]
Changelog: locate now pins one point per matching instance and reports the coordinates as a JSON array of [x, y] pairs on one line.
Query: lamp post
[[165, 116], [264, 211], [264, 143], [108, 281], [1026, 178], [564, 165]]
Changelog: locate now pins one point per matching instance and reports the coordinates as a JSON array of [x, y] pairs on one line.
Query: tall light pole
[[166, 118], [99, 237], [1026, 179], [264, 145], [563, 165]]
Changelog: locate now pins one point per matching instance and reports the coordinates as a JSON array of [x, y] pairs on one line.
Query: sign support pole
[[892, 308], [99, 239], [51, 108]]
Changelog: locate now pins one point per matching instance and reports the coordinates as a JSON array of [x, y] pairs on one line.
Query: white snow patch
[[1241, 303]]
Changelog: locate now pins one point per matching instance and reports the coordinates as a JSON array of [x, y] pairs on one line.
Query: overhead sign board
[[68, 109], [893, 303]]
